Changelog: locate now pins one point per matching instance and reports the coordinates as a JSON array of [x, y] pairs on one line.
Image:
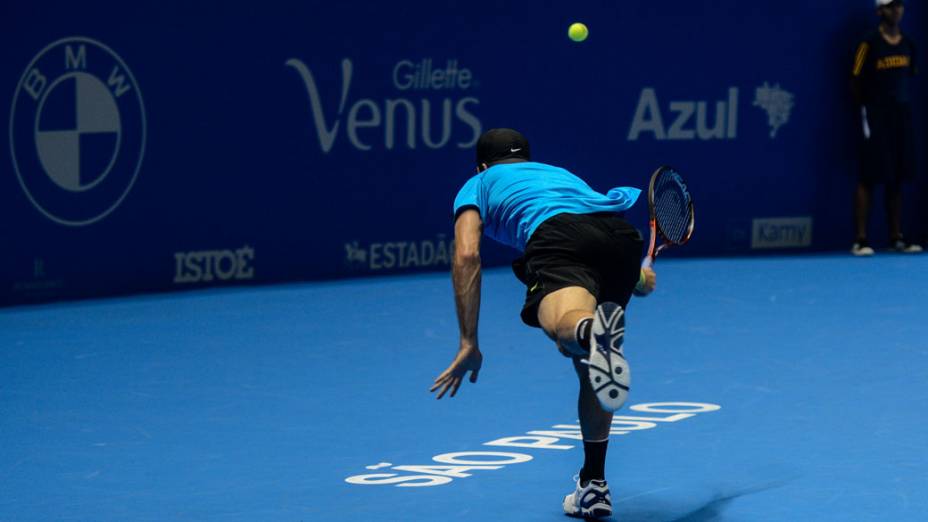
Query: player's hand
[[648, 282], [468, 359]]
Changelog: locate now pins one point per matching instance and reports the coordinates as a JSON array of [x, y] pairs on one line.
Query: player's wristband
[[640, 288]]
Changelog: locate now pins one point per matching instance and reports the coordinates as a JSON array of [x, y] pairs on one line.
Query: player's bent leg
[[560, 313], [610, 375]]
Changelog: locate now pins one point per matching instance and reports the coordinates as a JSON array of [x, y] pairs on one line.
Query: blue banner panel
[[175, 145]]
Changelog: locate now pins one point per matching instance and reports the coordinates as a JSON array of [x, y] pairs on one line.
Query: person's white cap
[[883, 3]]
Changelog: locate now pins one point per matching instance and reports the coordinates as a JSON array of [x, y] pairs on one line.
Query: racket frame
[[653, 248]]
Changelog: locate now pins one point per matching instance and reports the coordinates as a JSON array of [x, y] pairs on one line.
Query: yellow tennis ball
[[577, 32]]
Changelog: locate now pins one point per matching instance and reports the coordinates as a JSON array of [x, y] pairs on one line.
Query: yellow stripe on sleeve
[[861, 58]]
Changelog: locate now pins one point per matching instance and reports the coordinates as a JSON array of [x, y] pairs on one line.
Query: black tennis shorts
[[600, 252], [889, 155]]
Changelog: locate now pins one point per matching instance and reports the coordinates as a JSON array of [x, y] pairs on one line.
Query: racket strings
[[672, 208]]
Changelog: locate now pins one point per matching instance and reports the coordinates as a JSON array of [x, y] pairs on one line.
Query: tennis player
[[581, 265]]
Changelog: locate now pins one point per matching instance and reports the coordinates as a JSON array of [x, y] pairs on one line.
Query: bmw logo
[[77, 131]]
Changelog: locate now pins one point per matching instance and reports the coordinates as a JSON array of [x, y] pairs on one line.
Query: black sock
[[594, 461], [584, 327]]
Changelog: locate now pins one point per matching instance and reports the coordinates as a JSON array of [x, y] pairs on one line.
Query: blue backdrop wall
[[170, 145]]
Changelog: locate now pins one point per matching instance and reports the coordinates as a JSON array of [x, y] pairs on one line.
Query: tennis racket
[[671, 207]]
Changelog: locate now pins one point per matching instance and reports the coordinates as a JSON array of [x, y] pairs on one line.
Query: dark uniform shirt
[[882, 81], [883, 72]]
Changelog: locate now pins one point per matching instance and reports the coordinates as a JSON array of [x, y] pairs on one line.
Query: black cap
[[501, 144]]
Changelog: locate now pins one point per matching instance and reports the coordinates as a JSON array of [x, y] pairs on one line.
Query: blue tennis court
[[784, 388]]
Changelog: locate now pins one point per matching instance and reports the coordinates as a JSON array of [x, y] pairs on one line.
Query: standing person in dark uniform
[[881, 83], [580, 266]]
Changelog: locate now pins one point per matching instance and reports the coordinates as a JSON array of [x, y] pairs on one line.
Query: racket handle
[[648, 261]]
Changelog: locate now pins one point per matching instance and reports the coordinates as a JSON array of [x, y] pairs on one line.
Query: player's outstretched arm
[[465, 275]]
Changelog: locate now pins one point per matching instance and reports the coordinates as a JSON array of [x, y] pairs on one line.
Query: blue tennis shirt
[[514, 198]]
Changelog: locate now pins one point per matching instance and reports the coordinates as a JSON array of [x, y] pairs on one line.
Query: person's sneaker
[[590, 501], [610, 375], [901, 246], [861, 248]]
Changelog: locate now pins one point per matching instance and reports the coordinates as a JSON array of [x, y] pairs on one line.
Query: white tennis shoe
[[591, 501], [862, 249], [901, 246], [610, 375]]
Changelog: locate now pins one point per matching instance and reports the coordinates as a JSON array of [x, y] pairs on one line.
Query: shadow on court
[[711, 511]]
